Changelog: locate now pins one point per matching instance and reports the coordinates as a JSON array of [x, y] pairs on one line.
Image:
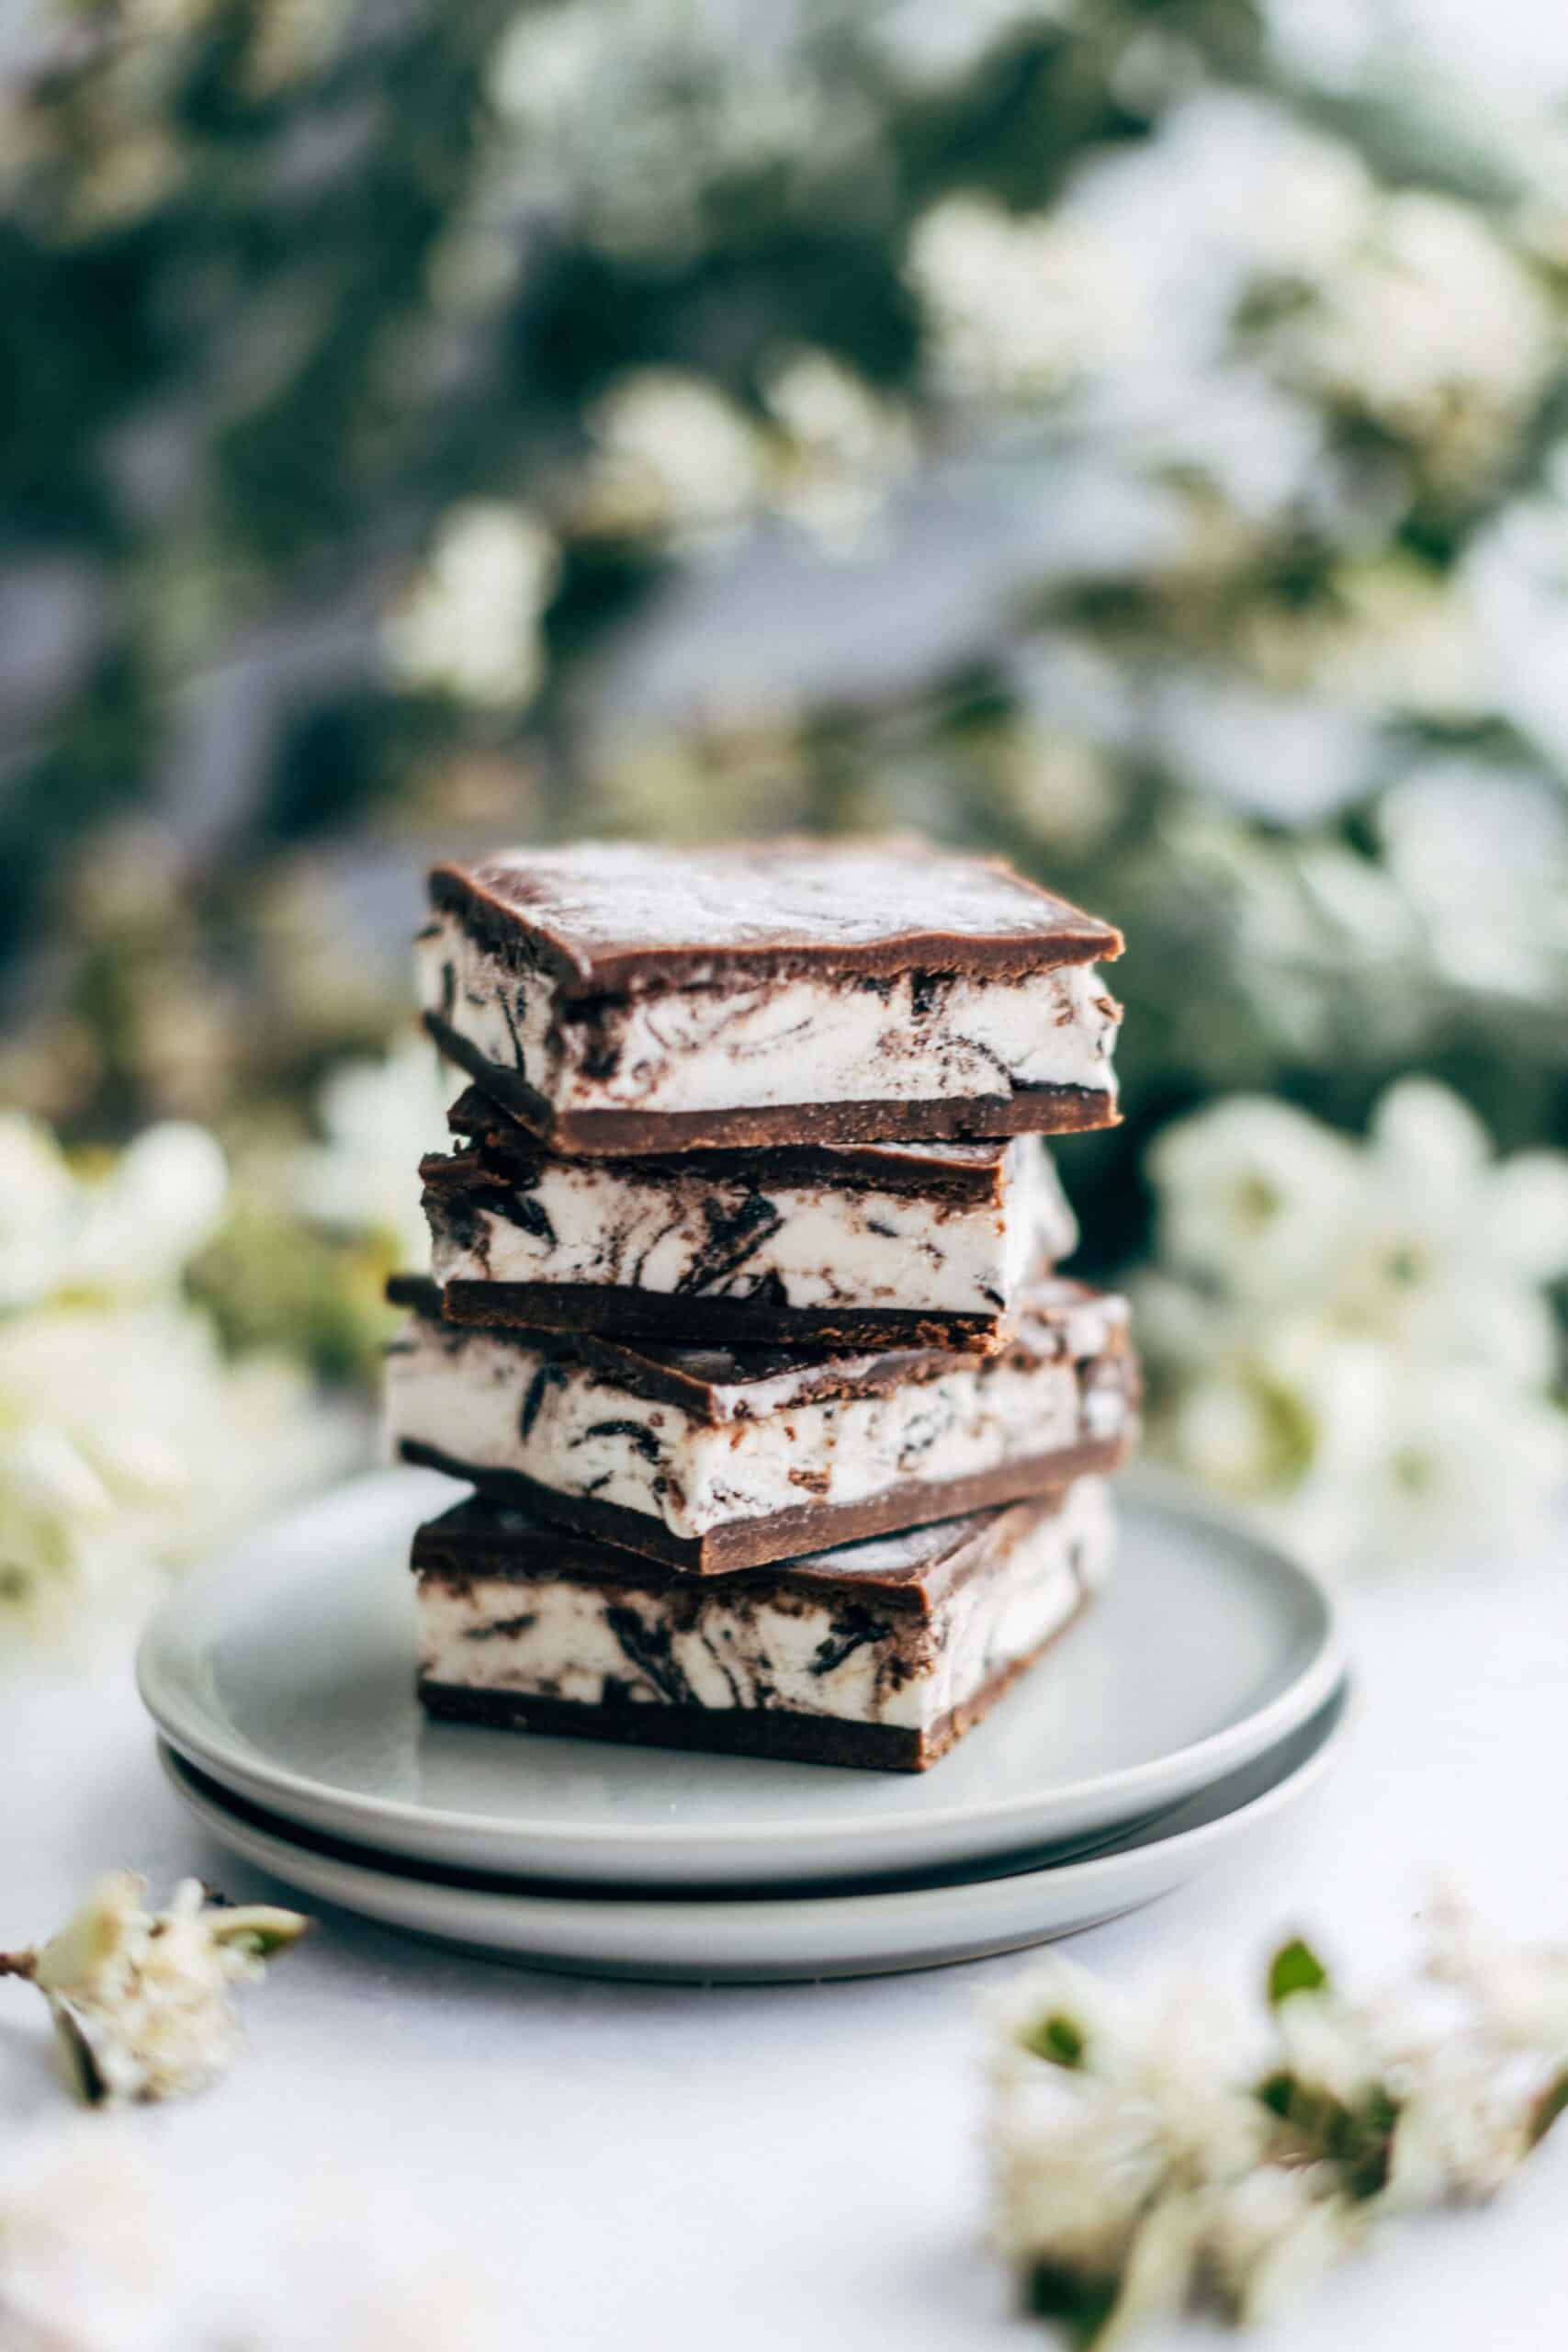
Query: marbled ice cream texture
[[750, 1044], [799, 1244], [766, 1643], [490, 1402]]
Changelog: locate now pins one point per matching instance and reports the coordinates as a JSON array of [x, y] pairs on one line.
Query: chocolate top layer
[[913, 1569], [1058, 1319], [617, 916], [950, 1171]]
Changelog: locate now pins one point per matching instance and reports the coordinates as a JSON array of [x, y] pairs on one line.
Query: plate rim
[[1118, 1795], [1097, 1875]]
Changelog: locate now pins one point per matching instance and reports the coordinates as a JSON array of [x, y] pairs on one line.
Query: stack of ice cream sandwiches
[[785, 1436]]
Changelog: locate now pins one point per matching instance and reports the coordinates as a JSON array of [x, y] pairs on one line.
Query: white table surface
[[656, 2166]]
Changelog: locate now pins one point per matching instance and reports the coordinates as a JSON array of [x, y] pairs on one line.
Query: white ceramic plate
[[286, 1674], [723, 1939]]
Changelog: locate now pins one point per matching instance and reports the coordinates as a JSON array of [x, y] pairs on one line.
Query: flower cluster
[[1354, 1338], [143, 2000], [1188, 2155], [1018, 308], [129, 1442], [675, 461], [469, 623]]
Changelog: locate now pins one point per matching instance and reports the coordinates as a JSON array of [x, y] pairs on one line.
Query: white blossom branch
[[143, 2001], [1184, 2157]]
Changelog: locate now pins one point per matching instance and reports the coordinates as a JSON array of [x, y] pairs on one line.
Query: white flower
[[1444, 1248], [1427, 1138], [146, 1220], [675, 454], [1071, 2190], [379, 1119], [1177, 1322], [1020, 307], [1104, 2107], [470, 622], [1253, 1194], [47, 1476], [1462, 2130], [1158, 2157], [1329, 2046], [143, 2001], [1167, 207], [1240, 1433], [1483, 854], [119, 1231], [844, 449], [1165, 2044], [1321, 678], [1398, 638], [37, 1209], [129, 1446], [1513, 574], [1061, 789], [1354, 1338], [1431, 324], [1521, 1995], [628, 113], [1450, 1245], [1527, 1199], [1445, 1458], [1159, 2267], [1271, 2236], [1290, 753], [127, 1441], [1118, 2128]]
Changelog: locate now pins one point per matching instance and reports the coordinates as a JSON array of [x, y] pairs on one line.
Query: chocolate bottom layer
[[1025, 1110], [810, 1527], [736, 1730], [701, 1320]]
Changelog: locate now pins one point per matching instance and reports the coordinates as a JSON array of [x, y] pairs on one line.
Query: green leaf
[[1277, 2092], [1295, 1968], [1367, 2171], [1358, 2139], [1058, 2038], [78, 2057], [1079, 2303], [1362, 2140], [260, 1927], [1550, 2104]]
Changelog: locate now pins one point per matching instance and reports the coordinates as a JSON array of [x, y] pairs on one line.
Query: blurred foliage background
[[1132, 434]]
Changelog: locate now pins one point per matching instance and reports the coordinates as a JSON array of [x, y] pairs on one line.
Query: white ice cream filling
[[824, 1246], [733, 1647], [466, 1394], [740, 1046]]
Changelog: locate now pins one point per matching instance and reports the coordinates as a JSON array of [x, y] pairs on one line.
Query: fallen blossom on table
[[143, 2001], [1178, 2155]]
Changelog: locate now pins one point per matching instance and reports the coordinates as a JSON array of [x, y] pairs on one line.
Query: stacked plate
[[1194, 1706]]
